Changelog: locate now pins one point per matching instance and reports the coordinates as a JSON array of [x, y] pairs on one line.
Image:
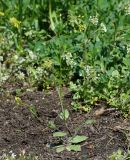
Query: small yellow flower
[[2, 14], [82, 27], [16, 23]]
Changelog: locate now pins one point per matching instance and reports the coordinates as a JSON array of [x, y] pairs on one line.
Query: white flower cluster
[[69, 59], [91, 73], [87, 69], [93, 20], [4, 75], [7, 157]]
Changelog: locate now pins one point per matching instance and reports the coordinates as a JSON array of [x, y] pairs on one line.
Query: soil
[[21, 130]]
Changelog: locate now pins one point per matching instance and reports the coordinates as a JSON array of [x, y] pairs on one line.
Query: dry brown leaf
[[99, 112]]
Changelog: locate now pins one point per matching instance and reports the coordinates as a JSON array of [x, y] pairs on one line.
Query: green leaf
[[103, 4], [33, 111], [64, 115], [60, 148], [74, 148], [115, 73], [59, 134], [89, 121], [18, 100], [51, 125], [25, 5], [78, 139]]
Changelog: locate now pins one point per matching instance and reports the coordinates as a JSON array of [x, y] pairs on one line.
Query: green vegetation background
[[84, 45]]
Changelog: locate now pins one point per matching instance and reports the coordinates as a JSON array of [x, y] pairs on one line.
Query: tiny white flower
[[15, 57], [1, 58], [31, 54], [13, 155], [21, 75], [93, 20], [87, 70], [68, 55]]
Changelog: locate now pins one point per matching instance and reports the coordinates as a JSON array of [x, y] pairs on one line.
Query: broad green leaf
[[64, 115], [103, 4], [59, 134], [78, 139], [126, 61], [74, 148], [51, 125], [60, 149], [115, 73]]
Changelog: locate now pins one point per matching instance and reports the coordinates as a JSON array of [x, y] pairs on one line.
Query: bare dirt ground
[[20, 130]]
